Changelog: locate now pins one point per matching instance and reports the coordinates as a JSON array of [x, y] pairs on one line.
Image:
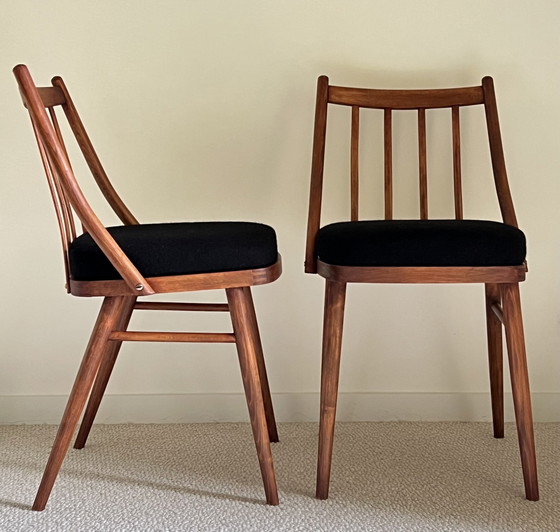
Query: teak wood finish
[[120, 296], [501, 283]]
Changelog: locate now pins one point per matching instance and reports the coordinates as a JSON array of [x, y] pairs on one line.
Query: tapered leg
[[495, 358], [267, 399], [520, 387], [106, 322], [103, 375], [241, 310], [335, 294]]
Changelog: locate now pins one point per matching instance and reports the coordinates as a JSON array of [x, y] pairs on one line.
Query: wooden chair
[[420, 251], [125, 262]]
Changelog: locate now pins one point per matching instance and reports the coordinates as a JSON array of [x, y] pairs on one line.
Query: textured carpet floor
[[204, 477]]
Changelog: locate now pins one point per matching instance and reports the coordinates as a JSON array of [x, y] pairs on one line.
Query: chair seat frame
[[422, 274]]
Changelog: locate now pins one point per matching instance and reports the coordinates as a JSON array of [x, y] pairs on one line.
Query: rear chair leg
[[103, 375], [267, 399], [108, 318], [520, 387], [248, 348], [495, 358]]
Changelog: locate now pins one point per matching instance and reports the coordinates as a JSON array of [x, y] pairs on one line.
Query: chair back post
[[91, 157], [497, 153], [58, 160], [317, 167]]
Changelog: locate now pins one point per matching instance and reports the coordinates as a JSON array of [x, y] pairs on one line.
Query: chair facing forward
[[125, 262], [420, 251]]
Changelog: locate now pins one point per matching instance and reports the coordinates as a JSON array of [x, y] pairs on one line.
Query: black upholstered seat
[[421, 243], [178, 249]]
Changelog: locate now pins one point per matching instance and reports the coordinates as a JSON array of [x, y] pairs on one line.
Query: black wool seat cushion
[[421, 243], [166, 249]]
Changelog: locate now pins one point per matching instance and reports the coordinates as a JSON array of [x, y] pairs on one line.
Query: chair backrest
[[67, 196], [419, 102]]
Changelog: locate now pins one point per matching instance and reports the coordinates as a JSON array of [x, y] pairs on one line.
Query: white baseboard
[[204, 408]]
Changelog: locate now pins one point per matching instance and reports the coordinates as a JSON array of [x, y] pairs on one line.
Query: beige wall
[[203, 110]]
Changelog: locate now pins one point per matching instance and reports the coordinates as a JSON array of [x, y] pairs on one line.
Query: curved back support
[[66, 193], [418, 101]]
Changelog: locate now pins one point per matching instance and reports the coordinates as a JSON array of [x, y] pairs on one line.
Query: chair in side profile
[[133, 260], [420, 250]]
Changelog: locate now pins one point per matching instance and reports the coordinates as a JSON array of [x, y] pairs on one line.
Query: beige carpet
[[386, 477]]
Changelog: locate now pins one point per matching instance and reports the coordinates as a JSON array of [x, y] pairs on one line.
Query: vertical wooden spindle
[[65, 200], [59, 207], [457, 185], [422, 164], [354, 176], [388, 145]]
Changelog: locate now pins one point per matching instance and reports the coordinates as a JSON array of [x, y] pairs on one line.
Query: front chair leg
[[241, 309], [520, 387], [107, 320], [335, 294], [103, 375], [495, 358]]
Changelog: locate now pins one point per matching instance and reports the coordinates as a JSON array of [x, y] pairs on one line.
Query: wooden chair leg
[[106, 322], [520, 387], [241, 310], [495, 358], [335, 295], [267, 399], [103, 375]]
